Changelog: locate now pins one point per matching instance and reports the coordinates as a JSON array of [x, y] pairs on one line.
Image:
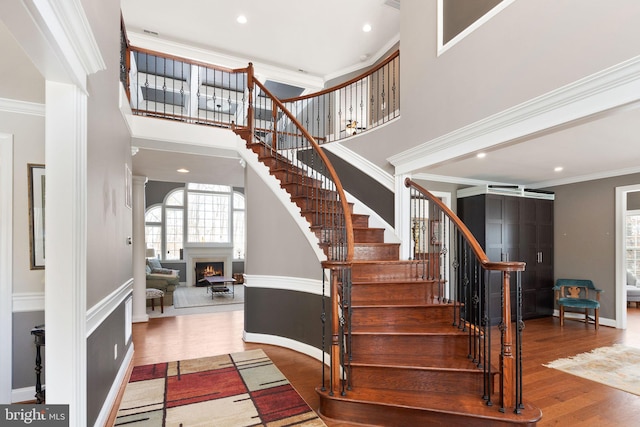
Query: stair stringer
[[281, 194]]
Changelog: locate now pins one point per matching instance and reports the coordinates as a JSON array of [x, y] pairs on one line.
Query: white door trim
[[6, 265], [620, 268]]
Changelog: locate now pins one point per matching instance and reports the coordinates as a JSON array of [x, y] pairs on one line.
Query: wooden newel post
[[335, 332], [250, 85], [507, 361]]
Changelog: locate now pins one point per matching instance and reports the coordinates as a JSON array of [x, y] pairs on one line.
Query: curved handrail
[[330, 169], [375, 68], [475, 246], [189, 61]]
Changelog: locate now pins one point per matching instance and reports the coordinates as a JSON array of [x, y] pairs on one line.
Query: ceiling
[[320, 38], [597, 147], [332, 29]]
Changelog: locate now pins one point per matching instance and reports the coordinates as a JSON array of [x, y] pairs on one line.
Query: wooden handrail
[[475, 246], [189, 61], [370, 71], [330, 169]]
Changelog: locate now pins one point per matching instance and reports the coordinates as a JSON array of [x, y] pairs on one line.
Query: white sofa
[[633, 289]]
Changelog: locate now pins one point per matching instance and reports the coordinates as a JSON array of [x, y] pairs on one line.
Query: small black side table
[[38, 334]]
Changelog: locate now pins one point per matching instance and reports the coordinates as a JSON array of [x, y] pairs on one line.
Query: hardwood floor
[[565, 400]]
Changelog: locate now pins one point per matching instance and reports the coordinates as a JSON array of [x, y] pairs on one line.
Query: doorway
[[622, 195]]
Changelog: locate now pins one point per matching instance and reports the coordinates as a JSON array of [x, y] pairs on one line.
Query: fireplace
[[197, 254], [208, 268]]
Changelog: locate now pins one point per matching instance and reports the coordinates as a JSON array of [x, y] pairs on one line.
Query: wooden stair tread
[[416, 362], [434, 329], [360, 304], [393, 282], [459, 403]]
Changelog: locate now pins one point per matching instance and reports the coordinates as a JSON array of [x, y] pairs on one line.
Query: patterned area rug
[[192, 296], [617, 366], [232, 390]]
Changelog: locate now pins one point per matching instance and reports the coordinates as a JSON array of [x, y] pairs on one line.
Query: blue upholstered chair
[[578, 294]]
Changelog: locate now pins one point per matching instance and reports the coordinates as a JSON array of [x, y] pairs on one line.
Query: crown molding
[[21, 107], [69, 35], [365, 64], [607, 90], [582, 178], [263, 70], [455, 180]]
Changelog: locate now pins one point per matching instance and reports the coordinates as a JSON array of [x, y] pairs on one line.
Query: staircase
[[402, 353], [410, 364]]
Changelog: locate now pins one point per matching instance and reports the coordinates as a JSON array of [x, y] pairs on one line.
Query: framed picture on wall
[[36, 215]]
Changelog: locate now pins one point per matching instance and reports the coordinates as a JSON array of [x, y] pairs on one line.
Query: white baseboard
[[307, 349], [25, 394]]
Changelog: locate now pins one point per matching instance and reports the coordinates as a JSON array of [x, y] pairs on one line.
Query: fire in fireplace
[[206, 269]]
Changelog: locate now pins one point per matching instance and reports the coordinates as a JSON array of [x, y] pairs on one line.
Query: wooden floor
[[565, 400]]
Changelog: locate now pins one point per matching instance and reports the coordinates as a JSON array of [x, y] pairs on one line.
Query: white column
[[66, 248], [139, 251], [401, 214]]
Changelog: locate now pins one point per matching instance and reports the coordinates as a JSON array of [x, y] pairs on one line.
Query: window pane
[[153, 236], [173, 229], [238, 234], [175, 198], [209, 187], [208, 218], [238, 201], [153, 214]]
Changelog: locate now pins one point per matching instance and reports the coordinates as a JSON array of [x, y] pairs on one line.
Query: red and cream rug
[[234, 390]]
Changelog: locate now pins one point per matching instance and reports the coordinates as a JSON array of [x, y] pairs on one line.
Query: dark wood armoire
[[514, 224]]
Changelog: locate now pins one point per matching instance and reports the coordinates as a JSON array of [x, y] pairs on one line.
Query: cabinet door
[[536, 249]]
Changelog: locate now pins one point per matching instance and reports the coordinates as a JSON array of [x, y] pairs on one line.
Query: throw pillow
[[154, 263], [148, 269]]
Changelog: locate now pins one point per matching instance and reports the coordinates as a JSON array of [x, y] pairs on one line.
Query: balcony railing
[[170, 87]]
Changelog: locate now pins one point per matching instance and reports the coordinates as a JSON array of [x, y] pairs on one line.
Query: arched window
[[153, 228], [174, 224]]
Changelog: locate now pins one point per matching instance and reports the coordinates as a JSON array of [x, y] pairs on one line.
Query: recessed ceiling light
[[183, 170], [481, 155], [366, 28], [241, 19], [558, 169]]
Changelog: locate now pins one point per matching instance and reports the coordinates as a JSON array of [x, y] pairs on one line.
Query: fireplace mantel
[[199, 254]]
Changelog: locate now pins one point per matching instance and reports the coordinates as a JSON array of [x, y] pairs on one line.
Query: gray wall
[[633, 201], [24, 350], [459, 14], [528, 49], [584, 241], [275, 244], [300, 317], [156, 191], [102, 366]]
